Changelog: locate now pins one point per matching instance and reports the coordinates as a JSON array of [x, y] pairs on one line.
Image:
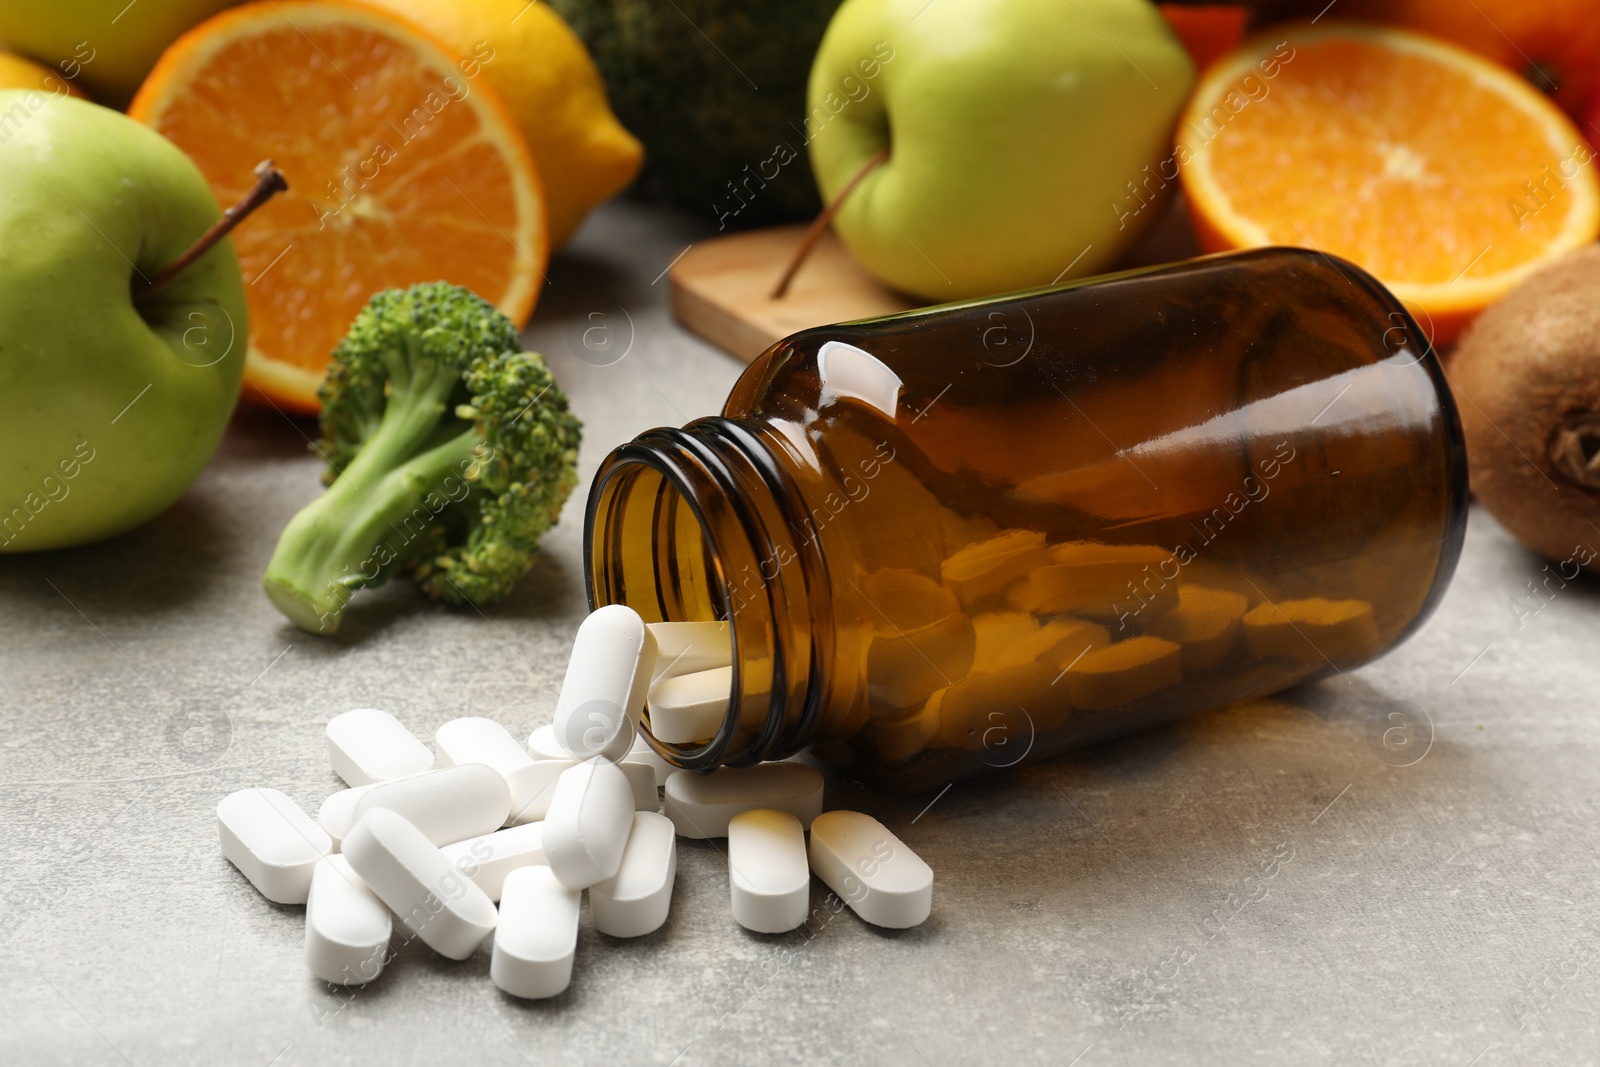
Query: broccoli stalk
[[449, 453]]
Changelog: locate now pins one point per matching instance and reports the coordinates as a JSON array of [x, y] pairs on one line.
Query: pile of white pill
[[438, 839]]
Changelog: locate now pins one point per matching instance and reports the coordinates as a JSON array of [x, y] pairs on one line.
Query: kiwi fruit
[[1527, 378]]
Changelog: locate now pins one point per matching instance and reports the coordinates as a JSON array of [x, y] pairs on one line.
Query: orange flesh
[[1405, 187], [395, 176]]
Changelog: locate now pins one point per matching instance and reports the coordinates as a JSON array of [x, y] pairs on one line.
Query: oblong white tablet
[[768, 870], [700, 805], [272, 842], [542, 744], [447, 805], [369, 745], [533, 787], [418, 882], [338, 813], [688, 647], [643, 753], [478, 740], [690, 707], [347, 926], [597, 712], [537, 937], [642, 780], [872, 870], [634, 901], [488, 859], [588, 823]]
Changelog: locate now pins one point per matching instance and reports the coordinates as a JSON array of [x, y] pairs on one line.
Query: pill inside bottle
[[951, 540]]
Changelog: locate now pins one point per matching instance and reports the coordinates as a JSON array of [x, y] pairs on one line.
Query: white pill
[[419, 883], [690, 707], [532, 788], [768, 871], [700, 805], [687, 647], [634, 901], [537, 937], [488, 859], [447, 805], [338, 813], [643, 753], [369, 745], [587, 826], [871, 869], [642, 780], [347, 926], [542, 744], [597, 712], [273, 842], [479, 740]]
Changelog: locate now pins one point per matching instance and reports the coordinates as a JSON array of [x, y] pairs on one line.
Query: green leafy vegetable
[[450, 452]]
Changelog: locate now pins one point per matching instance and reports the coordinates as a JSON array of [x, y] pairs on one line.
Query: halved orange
[[1446, 176], [402, 168]]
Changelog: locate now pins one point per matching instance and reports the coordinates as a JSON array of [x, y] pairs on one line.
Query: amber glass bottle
[[955, 538]]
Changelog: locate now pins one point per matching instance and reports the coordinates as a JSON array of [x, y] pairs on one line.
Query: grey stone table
[[1279, 882]]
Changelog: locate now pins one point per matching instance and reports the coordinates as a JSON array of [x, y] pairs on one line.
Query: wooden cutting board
[[721, 289]]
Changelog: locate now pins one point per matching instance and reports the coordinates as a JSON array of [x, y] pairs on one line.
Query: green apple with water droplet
[[1018, 136], [111, 402]]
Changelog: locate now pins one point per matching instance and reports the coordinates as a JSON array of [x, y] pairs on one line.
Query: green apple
[[110, 404], [1019, 136], [107, 46]]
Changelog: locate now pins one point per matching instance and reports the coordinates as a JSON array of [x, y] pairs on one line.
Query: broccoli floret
[[449, 453]]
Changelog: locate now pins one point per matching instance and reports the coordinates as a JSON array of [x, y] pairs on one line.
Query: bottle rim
[[733, 487]]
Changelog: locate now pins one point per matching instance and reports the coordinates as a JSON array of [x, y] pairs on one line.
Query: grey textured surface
[[1280, 882]]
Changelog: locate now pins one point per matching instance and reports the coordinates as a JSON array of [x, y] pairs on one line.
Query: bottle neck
[[703, 523]]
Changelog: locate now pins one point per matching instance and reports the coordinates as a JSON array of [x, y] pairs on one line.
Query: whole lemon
[[19, 73], [106, 45], [541, 69]]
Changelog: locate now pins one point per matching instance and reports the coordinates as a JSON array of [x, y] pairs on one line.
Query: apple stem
[[814, 232], [269, 182]]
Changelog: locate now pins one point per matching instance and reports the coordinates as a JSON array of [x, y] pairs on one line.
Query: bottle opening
[[659, 560], [680, 528]]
